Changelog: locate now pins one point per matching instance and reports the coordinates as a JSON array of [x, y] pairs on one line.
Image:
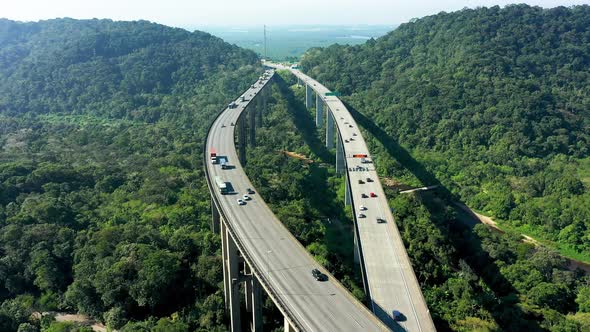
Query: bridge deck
[[278, 259], [388, 271]]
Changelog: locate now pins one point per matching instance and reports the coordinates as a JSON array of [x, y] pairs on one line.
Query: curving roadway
[[389, 276], [278, 260]]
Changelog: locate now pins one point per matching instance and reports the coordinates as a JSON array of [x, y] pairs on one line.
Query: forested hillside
[[103, 204], [494, 105], [472, 279], [493, 102]]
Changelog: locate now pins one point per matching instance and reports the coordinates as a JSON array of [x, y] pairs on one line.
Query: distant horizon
[[187, 14], [235, 27]]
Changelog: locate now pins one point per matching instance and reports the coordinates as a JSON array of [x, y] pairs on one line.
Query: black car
[[369, 180], [361, 181], [250, 191], [318, 275], [364, 195]]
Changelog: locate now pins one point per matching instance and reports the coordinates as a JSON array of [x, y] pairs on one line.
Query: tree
[[27, 327], [583, 299], [550, 295], [167, 325]]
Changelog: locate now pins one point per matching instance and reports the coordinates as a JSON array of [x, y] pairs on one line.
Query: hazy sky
[[190, 13]]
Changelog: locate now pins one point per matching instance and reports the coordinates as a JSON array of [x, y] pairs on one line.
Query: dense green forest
[[472, 279], [493, 102], [103, 204]]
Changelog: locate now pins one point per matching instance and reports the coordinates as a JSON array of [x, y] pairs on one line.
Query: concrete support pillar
[[252, 124], [267, 92], [339, 156], [215, 217], [347, 198], [357, 256], [242, 139], [252, 294], [308, 96], [234, 287], [248, 287], [329, 129], [299, 81], [256, 305], [287, 326], [226, 279], [261, 107], [319, 111]]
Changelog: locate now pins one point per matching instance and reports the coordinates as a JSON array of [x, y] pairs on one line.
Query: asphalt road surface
[[389, 274], [279, 260]]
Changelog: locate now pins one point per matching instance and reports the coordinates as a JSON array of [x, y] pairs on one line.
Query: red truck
[[213, 155]]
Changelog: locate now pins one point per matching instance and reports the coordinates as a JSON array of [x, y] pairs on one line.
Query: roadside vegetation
[[104, 209], [492, 102], [492, 105]]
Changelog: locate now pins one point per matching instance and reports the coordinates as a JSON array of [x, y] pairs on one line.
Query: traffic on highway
[[304, 291], [391, 284]]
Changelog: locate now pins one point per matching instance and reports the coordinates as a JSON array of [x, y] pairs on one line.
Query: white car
[[246, 197], [363, 208], [360, 215], [241, 202]]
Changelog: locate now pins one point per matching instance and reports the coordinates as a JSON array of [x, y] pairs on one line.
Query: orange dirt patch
[[297, 156], [394, 184]]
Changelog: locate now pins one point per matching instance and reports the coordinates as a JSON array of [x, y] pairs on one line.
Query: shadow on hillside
[[324, 199], [304, 122], [463, 239]]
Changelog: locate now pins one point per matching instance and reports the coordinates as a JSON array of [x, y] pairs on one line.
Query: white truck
[[221, 185]]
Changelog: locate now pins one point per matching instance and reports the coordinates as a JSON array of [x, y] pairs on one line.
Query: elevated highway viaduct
[[259, 253]]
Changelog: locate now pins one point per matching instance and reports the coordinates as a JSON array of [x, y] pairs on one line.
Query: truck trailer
[[223, 163], [213, 156], [221, 185]]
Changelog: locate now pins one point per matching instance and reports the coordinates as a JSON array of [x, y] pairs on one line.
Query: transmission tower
[[265, 41]]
